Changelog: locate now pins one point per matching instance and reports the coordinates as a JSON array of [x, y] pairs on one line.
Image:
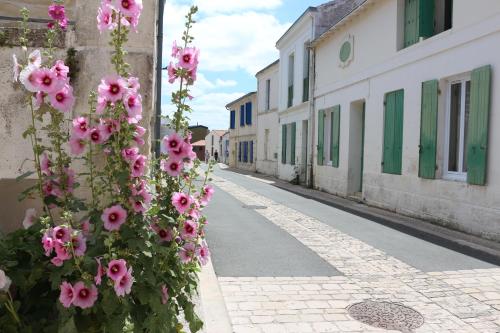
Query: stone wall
[[93, 54]]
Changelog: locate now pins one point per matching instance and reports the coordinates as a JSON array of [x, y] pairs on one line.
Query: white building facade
[[407, 110], [213, 143], [267, 120], [243, 132], [225, 148]]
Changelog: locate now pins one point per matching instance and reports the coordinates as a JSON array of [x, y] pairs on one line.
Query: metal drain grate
[[254, 207], [387, 315]]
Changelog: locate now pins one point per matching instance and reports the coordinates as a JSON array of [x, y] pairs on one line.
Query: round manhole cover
[[390, 316]]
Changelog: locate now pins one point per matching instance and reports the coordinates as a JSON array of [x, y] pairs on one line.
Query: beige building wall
[[93, 54]]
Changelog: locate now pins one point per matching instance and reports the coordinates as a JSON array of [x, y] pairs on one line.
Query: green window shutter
[[428, 130], [393, 132], [335, 136], [283, 144], [292, 143], [305, 92], [426, 18], [477, 137], [411, 22], [321, 136]]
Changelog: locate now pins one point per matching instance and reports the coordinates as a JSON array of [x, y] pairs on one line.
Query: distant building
[[225, 148], [242, 131], [267, 119], [213, 143], [199, 149], [199, 132]]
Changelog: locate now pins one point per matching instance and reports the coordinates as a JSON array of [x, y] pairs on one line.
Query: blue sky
[[237, 38]]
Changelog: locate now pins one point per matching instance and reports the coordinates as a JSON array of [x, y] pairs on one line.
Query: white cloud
[[229, 6], [225, 83]]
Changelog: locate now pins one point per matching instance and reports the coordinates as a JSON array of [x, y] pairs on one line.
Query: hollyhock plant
[[117, 269], [84, 296], [112, 88], [105, 19], [188, 58], [113, 217], [181, 201], [29, 218], [189, 230], [63, 100], [46, 80], [172, 166]]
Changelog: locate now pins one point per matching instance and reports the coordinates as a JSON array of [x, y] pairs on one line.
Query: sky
[[236, 38]]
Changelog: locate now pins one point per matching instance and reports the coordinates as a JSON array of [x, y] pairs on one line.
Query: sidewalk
[[470, 245]]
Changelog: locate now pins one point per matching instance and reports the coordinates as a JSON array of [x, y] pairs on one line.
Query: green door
[[428, 130], [362, 148], [393, 132]]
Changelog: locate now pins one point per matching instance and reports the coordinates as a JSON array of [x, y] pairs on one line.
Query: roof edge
[[267, 67], [239, 99], [307, 11]]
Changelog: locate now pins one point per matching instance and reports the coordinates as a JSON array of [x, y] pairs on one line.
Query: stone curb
[[473, 246], [215, 315]]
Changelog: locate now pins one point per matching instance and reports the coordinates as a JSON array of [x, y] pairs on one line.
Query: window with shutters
[[291, 74], [426, 18], [268, 95], [232, 124], [330, 136], [242, 115], [248, 110], [456, 131], [305, 80]]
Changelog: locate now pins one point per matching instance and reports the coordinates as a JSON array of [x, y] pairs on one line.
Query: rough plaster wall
[[93, 53]]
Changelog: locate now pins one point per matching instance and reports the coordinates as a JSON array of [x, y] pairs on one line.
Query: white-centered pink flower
[[67, 294], [188, 58], [113, 217], [76, 145], [172, 166], [181, 201], [123, 286], [29, 218], [105, 19], [187, 252], [112, 88], [138, 166], [117, 268], [84, 296], [63, 100], [189, 230]]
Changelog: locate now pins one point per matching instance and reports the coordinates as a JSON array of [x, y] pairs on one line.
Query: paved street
[[290, 264]]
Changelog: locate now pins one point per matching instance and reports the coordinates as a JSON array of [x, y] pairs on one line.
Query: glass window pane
[[454, 122], [466, 123]]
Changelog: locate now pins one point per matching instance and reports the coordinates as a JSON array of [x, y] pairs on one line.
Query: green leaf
[[24, 175]]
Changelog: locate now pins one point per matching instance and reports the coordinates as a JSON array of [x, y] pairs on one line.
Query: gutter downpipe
[[312, 83], [159, 54]]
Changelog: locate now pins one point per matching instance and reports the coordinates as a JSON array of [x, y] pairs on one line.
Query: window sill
[[455, 177]]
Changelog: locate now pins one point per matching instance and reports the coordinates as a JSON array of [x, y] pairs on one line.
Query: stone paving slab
[[450, 301]]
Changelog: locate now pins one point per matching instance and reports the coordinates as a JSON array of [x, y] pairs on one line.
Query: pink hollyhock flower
[[173, 73], [187, 252], [107, 128], [189, 230], [85, 297], [102, 103], [63, 100], [192, 77], [97, 136], [81, 127], [38, 100], [61, 234], [139, 131], [76, 145], [203, 253], [194, 212], [117, 269], [57, 12], [138, 206], [207, 194], [139, 166], [139, 188], [48, 244], [175, 49], [130, 154], [105, 18], [166, 235], [16, 68], [47, 80], [61, 70], [100, 272], [79, 244], [35, 59], [172, 166], [29, 218], [133, 84], [129, 7], [62, 254], [131, 21], [85, 226], [49, 188], [133, 104], [164, 294], [113, 217], [181, 201], [112, 88], [28, 78], [70, 179], [67, 295], [172, 142], [188, 58], [45, 165], [123, 286]]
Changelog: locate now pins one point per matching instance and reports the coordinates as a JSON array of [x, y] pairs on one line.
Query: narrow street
[[289, 264]]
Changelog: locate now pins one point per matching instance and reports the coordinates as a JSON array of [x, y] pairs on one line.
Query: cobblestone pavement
[[450, 301]]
